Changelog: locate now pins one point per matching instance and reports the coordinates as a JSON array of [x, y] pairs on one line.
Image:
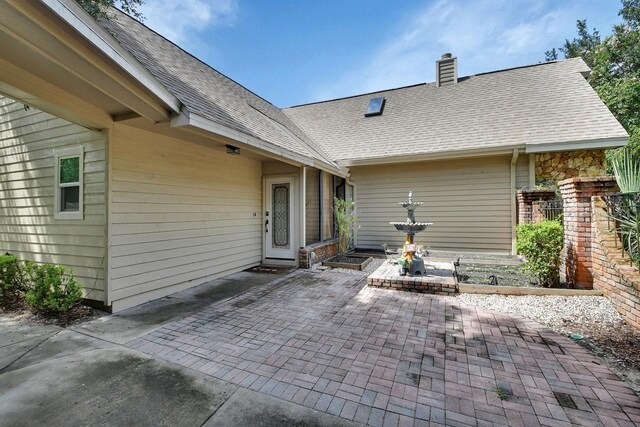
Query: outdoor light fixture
[[233, 150]]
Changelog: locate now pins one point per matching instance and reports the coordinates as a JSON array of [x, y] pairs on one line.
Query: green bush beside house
[[45, 287], [541, 244]]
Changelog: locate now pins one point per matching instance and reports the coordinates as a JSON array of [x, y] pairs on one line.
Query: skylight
[[376, 105]]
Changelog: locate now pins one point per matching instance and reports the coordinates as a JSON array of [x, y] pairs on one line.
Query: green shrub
[[11, 278], [541, 245], [51, 288]]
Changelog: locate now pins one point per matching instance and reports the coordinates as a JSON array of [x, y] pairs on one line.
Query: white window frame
[[61, 154]]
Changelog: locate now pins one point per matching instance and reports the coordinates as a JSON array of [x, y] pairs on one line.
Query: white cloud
[[484, 34], [177, 20]]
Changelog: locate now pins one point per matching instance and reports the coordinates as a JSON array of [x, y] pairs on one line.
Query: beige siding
[[522, 171], [312, 206], [327, 205], [28, 140], [468, 201], [181, 214], [279, 168]]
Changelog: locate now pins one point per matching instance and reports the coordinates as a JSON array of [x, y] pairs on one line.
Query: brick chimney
[[446, 70]]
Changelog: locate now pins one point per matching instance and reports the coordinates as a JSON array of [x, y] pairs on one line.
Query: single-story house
[[147, 171]]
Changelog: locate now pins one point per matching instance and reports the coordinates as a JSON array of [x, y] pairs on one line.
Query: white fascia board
[[577, 145], [341, 172], [70, 12], [203, 123], [190, 119], [442, 155]]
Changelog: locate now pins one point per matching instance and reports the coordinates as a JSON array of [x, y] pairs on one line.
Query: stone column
[[576, 198], [526, 197]]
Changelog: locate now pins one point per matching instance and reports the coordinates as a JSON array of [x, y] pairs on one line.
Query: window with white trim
[[69, 189]]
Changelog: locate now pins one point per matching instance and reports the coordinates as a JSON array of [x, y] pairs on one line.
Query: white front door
[[279, 218]]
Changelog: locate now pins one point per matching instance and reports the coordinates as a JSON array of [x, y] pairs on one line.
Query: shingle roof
[[538, 104], [208, 93], [526, 106]]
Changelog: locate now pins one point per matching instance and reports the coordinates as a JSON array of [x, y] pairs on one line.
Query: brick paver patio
[[381, 357]]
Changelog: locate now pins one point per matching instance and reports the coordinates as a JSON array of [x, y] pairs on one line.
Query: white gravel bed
[[556, 312]]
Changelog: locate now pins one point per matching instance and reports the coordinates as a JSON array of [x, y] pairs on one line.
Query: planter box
[[470, 288], [336, 263]]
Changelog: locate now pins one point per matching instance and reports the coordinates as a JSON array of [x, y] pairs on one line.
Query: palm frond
[[626, 168]]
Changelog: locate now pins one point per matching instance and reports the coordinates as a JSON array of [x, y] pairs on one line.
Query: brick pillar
[[576, 199], [526, 197], [304, 258]]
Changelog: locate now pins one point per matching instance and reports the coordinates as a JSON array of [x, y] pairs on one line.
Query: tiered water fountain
[[409, 272], [411, 261]]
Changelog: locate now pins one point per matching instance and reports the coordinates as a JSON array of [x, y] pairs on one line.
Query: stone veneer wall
[[561, 165], [318, 252], [576, 254], [526, 198], [612, 274]]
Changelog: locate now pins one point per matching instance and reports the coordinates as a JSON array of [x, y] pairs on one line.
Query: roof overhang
[[59, 59], [594, 144], [53, 47], [188, 120], [78, 18], [441, 155]]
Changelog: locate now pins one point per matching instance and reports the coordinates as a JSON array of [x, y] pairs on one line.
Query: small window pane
[[70, 199], [70, 170], [280, 211]]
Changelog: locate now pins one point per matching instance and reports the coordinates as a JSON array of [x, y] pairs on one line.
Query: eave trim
[[190, 119], [71, 13], [577, 145], [443, 155]]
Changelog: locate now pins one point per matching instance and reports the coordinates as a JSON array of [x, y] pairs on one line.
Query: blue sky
[[294, 52]]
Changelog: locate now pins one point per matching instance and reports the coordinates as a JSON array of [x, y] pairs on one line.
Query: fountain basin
[[411, 227], [410, 205]]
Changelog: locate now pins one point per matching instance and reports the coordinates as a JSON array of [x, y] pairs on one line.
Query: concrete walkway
[[304, 349]]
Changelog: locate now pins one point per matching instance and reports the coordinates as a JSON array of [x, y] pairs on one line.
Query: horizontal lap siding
[[522, 171], [181, 214], [468, 201], [28, 139], [312, 212]]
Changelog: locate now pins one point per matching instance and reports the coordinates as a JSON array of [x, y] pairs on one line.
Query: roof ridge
[[502, 70], [428, 83], [355, 96]]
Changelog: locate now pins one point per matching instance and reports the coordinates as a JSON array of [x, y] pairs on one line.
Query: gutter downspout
[[303, 207], [532, 170], [320, 207], [514, 160]]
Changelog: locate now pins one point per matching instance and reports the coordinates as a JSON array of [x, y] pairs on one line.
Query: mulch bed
[[78, 313], [495, 274], [348, 259], [347, 262], [618, 346]]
